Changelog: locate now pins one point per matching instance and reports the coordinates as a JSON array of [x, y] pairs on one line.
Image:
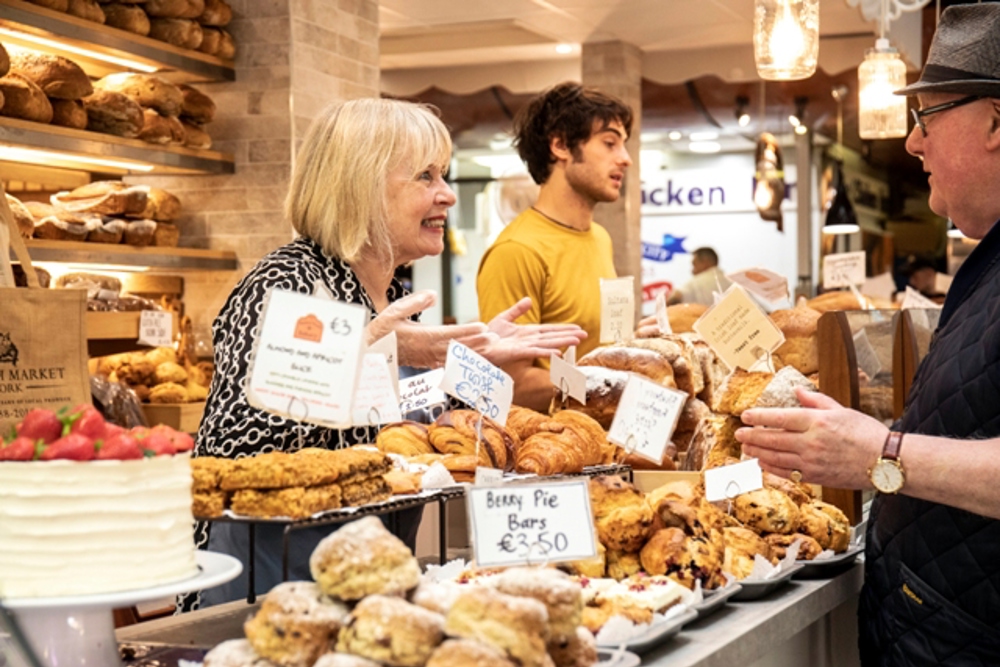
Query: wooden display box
[[647, 480], [184, 417]]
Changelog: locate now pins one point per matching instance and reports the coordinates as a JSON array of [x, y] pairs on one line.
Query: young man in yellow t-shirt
[[572, 140]]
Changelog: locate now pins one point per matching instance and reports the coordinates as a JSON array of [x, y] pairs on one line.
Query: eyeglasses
[[918, 116]]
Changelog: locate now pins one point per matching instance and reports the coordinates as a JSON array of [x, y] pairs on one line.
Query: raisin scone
[[295, 625], [555, 589], [392, 631], [466, 652], [511, 624], [580, 650], [766, 511]]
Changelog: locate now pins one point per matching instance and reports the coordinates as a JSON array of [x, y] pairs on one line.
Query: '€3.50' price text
[[545, 543]]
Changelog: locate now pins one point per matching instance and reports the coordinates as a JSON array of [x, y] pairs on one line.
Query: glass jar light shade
[[786, 38], [882, 115]]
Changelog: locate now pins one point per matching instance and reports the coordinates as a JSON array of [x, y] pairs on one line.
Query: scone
[[766, 511], [235, 653], [467, 652], [826, 524], [621, 515], [779, 544], [392, 631], [295, 625], [683, 558], [555, 589], [580, 650], [437, 596], [622, 565], [592, 567], [742, 544], [511, 624], [361, 559]]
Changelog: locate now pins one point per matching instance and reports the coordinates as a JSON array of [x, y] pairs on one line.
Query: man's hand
[[648, 328], [518, 342]]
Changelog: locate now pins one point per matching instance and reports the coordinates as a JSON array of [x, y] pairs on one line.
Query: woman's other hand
[[518, 342]]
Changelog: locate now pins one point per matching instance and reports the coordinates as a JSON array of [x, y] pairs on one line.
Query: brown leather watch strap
[[893, 443]]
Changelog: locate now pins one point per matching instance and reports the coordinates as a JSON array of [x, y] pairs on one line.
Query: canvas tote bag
[[43, 343]]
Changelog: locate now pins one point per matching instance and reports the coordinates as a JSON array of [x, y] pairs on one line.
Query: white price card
[[914, 299], [738, 330], [662, 319], [387, 345], [375, 399], [307, 357], [768, 285], [473, 380], [864, 352], [646, 417], [727, 482], [522, 524], [617, 309], [488, 476], [881, 286], [844, 269], [421, 391], [156, 328], [568, 379]]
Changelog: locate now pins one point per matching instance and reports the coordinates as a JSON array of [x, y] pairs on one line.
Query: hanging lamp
[[881, 114], [786, 38], [840, 216]]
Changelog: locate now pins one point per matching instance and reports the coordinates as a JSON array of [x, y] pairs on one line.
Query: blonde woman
[[367, 195]]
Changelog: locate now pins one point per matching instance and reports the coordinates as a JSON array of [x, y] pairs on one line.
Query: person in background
[[932, 556], [922, 276], [367, 195], [572, 140], [708, 278]]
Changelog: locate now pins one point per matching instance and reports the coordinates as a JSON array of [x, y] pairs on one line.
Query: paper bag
[[43, 344]]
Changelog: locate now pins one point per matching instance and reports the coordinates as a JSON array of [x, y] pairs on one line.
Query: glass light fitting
[[786, 38]]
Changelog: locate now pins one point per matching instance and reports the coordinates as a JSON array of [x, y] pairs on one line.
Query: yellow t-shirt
[[558, 267]]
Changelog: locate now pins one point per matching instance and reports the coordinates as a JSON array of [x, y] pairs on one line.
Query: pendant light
[[840, 217], [881, 114], [786, 38]]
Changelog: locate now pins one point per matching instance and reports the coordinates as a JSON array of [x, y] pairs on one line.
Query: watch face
[[887, 476]]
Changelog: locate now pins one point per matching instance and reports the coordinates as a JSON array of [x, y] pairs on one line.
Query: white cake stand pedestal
[[79, 631]]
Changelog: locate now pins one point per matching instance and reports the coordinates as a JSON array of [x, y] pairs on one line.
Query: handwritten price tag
[[568, 379], [646, 417], [386, 345], [375, 396], [472, 379], [421, 391], [662, 319], [738, 330], [156, 328], [617, 309], [914, 299], [768, 285], [307, 357], [844, 269], [531, 524]]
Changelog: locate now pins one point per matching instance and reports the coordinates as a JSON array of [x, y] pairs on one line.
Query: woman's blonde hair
[[337, 196]]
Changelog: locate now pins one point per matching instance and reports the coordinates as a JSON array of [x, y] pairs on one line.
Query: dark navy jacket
[[932, 572]]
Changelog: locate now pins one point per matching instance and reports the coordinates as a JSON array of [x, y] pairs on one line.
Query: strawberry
[[20, 449], [40, 424], [86, 421], [74, 447], [182, 441], [157, 444], [121, 447], [111, 430]]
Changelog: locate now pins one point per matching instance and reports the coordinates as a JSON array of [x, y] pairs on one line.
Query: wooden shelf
[[77, 149], [72, 252], [171, 62], [184, 417], [111, 333]]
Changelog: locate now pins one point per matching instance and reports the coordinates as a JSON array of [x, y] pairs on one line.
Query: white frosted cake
[[88, 527]]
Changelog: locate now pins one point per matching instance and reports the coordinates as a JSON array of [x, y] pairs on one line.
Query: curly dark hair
[[567, 111]]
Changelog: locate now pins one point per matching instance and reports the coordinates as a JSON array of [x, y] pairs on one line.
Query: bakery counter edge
[[738, 634]]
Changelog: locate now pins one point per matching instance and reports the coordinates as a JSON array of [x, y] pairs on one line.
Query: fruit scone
[[391, 630], [295, 624]]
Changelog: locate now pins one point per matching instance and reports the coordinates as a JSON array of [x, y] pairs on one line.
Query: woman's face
[[418, 209]]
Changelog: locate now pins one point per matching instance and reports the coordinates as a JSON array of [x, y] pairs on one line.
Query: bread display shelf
[[78, 149], [171, 62], [111, 333], [184, 417], [73, 252]]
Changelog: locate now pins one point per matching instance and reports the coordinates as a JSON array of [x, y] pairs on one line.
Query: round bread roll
[[22, 98], [114, 113], [58, 77], [363, 558], [683, 315], [88, 10], [295, 624], [801, 347], [149, 91], [466, 652], [391, 630], [127, 17], [217, 13], [644, 362], [69, 113], [22, 216], [197, 106], [195, 136], [184, 33]]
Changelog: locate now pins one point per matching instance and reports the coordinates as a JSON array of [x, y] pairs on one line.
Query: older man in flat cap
[[932, 565]]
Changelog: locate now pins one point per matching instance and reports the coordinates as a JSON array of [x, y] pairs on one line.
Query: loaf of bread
[[830, 301], [197, 106], [103, 197], [211, 40], [140, 233], [155, 128], [643, 362], [149, 91], [682, 357], [55, 5], [4, 61], [801, 346], [744, 390], [22, 216], [127, 17], [683, 315], [713, 443], [227, 47], [111, 230], [185, 33], [174, 9], [114, 113], [694, 411], [160, 206], [166, 235], [69, 113], [58, 77], [23, 99], [195, 136], [88, 10], [713, 369], [604, 390], [217, 13]]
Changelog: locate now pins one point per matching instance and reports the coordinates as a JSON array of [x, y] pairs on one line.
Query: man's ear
[[558, 148], [993, 140]]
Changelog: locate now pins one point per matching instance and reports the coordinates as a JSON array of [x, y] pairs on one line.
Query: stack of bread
[[368, 608], [674, 532], [158, 376], [44, 88], [295, 485], [189, 24]]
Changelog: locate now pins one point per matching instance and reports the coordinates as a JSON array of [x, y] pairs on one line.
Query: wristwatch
[[887, 474]]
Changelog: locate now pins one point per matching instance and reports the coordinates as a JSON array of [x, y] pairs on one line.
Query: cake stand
[[79, 630]]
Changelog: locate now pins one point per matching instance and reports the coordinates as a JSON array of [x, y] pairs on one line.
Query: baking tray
[[829, 567], [607, 658], [658, 633], [713, 600], [753, 590]]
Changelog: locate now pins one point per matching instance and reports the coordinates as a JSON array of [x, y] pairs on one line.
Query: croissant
[[555, 449], [586, 427], [454, 432], [524, 422], [406, 438]]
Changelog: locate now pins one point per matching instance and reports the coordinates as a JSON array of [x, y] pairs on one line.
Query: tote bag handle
[[10, 237]]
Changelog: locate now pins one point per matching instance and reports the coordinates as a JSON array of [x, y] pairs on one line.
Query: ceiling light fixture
[[881, 114], [742, 115], [704, 147], [51, 45], [786, 38], [564, 48], [710, 135], [840, 217], [674, 135]]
